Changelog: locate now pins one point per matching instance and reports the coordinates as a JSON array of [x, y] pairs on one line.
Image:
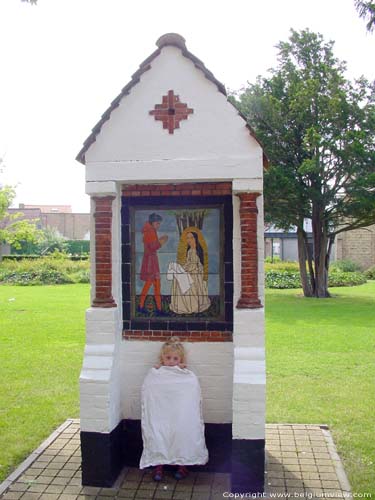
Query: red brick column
[[249, 252], [103, 252]]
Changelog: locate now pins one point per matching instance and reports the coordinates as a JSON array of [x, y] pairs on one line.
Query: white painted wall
[[212, 362]]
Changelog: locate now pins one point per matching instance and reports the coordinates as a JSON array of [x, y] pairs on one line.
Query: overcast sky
[[64, 61]]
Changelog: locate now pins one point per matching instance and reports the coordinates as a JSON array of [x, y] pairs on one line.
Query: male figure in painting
[[150, 272]]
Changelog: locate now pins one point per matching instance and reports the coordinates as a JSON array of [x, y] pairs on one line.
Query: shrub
[[272, 260], [37, 277], [282, 279], [282, 265], [347, 266], [370, 273], [55, 269], [340, 278]]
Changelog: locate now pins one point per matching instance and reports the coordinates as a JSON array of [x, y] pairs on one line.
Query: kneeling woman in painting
[[172, 422]]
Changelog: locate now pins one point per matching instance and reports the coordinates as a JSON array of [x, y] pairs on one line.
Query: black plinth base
[[248, 462], [105, 454], [102, 457]]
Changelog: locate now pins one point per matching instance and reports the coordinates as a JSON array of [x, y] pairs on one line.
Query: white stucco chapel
[[171, 143]]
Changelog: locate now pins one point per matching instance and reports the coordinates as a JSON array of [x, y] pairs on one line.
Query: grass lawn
[[41, 346], [320, 367]]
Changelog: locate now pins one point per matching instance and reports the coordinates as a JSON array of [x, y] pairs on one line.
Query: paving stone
[[293, 475], [106, 492], [145, 494], [271, 474], [18, 486], [74, 490], [44, 479], [89, 490], [130, 485], [294, 483], [316, 483], [127, 493], [331, 484], [32, 495], [180, 495], [147, 486], [309, 468], [292, 467], [54, 488], [36, 488], [14, 495], [75, 481], [274, 481], [60, 480], [159, 493], [310, 475], [297, 460]]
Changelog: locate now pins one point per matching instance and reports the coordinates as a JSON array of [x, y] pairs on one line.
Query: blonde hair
[[173, 344]]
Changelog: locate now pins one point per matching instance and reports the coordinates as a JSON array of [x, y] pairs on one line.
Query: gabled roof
[[169, 39]]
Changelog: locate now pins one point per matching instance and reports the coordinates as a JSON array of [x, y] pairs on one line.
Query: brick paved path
[[300, 460]]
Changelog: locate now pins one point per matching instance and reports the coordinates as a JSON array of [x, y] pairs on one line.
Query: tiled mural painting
[[177, 262]]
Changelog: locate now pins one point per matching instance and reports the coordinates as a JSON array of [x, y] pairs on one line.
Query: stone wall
[[357, 245]]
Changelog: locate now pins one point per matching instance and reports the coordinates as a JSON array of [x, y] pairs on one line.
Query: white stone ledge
[[97, 362], [97, 376], [217, 417], [249, 431], [249, 379], [93, 326], [93, 424], [94, 389], [248, 315], [248, 419], [246, 368], [95, 402], [175, 169], [253, 391], [247, 185], [100, 350], [102, 314], [250, 339], [100, 338], [247, 354], [101, 188]]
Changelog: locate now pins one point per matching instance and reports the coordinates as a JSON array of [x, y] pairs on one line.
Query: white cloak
[[172, 422]]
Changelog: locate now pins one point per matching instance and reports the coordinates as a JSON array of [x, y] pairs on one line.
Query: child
[[172, 423]]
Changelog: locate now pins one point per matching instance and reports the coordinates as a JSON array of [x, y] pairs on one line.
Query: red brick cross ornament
[[171, 111]]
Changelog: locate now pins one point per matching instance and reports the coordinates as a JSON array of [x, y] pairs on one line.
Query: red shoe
[[181, 473], [158, 473]]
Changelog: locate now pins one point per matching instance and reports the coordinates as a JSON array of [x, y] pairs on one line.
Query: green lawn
[[320, 367], [41, 345]]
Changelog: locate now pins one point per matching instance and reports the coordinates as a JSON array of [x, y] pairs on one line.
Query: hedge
[[44, 271], [370, 273]]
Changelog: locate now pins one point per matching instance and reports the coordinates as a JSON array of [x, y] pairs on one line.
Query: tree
[[366, 11], [318, 130], [13, 229]]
